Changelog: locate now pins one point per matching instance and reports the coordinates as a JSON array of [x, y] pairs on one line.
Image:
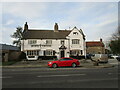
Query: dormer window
[[75, 33]]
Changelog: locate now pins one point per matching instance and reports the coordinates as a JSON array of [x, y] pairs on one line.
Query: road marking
[[75, 80], [113, 73], [77, 74], [6, 77], [61, 75], [109, 73], [89, 80]]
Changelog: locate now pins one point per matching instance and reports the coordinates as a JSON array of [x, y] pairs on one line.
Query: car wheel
[[74, 65], [54, 65]]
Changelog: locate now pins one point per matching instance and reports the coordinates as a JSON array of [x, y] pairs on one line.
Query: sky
[[96, 19]]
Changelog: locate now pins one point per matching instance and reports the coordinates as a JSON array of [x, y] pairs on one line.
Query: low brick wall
[[14, 55]]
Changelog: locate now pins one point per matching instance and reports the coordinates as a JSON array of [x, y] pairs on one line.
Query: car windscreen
[[65, 59]]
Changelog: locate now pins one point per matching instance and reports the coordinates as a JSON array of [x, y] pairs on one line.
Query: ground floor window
[[40, 53], [76, 52], [49, 52], [33, 53]]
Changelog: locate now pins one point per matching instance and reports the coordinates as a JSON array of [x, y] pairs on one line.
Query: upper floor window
[[62, 42], [75, 33], [48, 42], [32, 41], [75, 41]]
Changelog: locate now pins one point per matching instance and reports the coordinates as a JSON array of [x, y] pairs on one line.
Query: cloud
[[25, 10], [6, 32], [0, 22], [106, 23], [60, 1], [96, 19], [10, 22]]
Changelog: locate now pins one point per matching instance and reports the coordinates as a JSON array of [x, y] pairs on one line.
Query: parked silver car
[[100, 58]]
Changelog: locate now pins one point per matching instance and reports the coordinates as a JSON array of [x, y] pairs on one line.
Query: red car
[[65, 61]]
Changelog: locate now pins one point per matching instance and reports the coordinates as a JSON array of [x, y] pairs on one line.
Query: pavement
[[43, 63]]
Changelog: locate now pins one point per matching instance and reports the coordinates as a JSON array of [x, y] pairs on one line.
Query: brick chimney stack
[[100, 39], [56, 27], [26, 27]]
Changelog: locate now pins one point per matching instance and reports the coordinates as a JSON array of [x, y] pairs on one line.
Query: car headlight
[[50, 62]]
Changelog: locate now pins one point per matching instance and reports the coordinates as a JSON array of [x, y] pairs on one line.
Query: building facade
[[9, 53], [95, 47], [49, 44]]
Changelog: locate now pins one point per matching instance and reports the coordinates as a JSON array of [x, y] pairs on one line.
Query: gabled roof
[[45, 34], [79, 31], [95, 43]]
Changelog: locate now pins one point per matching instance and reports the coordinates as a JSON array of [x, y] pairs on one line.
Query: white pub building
[[50, 44]]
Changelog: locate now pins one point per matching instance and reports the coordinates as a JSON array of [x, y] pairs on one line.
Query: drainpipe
[[68, 37], [23, 45]]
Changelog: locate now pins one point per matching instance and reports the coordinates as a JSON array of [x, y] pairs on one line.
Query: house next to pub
[[49, 44], [95, 47]]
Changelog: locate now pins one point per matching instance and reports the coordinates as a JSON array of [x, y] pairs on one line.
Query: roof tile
[[97, 43], [45, 34]]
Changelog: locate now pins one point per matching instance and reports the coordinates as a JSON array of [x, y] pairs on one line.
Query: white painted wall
[[57, 43], [80, 46]]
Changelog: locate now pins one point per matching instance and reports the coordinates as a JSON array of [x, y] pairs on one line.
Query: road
[[60, 77]]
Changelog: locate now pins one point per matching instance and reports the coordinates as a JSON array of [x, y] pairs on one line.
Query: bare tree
[[18, 36], [115, 42], [116, 35]]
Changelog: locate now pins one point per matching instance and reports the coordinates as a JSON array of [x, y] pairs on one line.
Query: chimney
[[26, 27], [75, 27], [56, 27], [100, 39]]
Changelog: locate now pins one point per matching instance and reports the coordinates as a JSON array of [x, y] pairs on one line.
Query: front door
[[62, 53]]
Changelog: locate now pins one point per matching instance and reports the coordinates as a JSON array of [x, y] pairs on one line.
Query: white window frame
[[32, 53], [48, 42], [49, 53], [75, 52], [32, 41], [75, 41], [75, 33], [62, 42]]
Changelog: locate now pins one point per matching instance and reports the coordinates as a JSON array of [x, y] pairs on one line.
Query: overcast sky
[[96, 19]]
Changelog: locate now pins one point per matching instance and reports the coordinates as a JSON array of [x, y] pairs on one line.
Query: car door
[[62, 62], [68, 61]]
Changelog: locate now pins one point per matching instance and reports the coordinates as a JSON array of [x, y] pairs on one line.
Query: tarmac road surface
[[60, 77]]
